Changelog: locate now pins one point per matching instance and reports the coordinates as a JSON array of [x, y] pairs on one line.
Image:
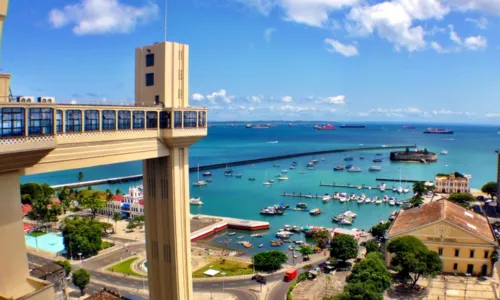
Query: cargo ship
[[438, 131], [409, 127], [352, 126]]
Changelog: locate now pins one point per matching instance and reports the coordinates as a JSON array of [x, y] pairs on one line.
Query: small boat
[[348, 166], [348, 158], [261, 245], [382, 187], [276, 165], [208, 180], [360, 187], [375, 168], [226, 173], [207, 174], [392, 202], [248, 126], [336, 195], [322, 159], [271, 180], [339, 168], [394, 189], [326, 198], [292, 168], [311, 168], [406, 190], [400, 190], [361, 157], [379, 201], [240, 237], [267, 183], [438, 131], [290, 247], [301, 205], [238, 175], [377, 160], [444, 152], [195, 201], [345, 221], [368, 200], [324, 127], [251, 178], [284, 171], [385, 199], [256, 235], [278, 175], [302, 172], [247, 245], [379, 154], [282, 178], [199, 182], [360, 200], [310, 164], [354, 169], [231, 233]]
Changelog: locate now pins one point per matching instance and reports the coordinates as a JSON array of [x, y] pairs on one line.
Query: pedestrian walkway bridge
[[43, 134]]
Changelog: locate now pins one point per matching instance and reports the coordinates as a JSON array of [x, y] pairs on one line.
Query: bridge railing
[[20, 121]]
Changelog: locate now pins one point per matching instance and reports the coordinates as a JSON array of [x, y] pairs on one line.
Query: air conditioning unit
[[46, 99], [26, 99]]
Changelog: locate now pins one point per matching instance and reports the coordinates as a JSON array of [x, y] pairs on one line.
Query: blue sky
[[338, 60]]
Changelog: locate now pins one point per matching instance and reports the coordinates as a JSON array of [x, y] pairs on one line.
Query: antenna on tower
[[165, 22]]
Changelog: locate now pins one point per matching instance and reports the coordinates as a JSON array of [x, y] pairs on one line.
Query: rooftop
[[442, 210], [47, 269]]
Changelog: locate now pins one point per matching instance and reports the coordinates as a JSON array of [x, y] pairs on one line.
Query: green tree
[[359, 291], [269, 260], [43, 210], [321, 237], [118, 192], [306, 250], [131, 225], [80, 176], [416, 201], [109, 195], [81, 236], [81, 279], [380, 229], [65, 197], [371, 271], [344, 247], [490, 188], [92, 200], [33, 191], [116, 217], [412, 259], [66, 265], [105, 227], [462, 199], [371, 246], [419, 188]]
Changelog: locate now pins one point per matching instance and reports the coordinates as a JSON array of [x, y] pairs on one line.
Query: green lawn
[[124, 267], [37, 233], [106, 245], [230, 267]]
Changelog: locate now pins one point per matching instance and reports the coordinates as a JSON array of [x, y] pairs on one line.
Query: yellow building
[[453, 183], [463, 239]]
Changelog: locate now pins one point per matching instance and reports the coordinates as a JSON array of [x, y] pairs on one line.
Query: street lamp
[[223, 273], [80, 254]]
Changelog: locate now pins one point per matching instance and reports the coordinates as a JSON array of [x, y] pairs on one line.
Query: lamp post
[[223, 273], [80, 254]]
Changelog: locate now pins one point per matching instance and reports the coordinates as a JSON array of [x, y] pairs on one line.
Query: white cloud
[[481, 23], [346, 50], [476, 42], [340, 99], [197, 97], [492, 115], [287, 99], [255, 99], [439, 49], [454, 36], [268, 33], [485, 6], [101, 16], [251, 108], [220, 96]]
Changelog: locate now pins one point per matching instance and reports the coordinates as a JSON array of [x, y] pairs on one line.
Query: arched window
[[165, 120], [123, 119], [59, 121], [12, 122], [91, 120], [151, 119], [40, 121], [189, 119], [73, 120], [108, 120], [138, 119]]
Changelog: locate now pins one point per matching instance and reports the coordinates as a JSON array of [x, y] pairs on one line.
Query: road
[[238, 287]]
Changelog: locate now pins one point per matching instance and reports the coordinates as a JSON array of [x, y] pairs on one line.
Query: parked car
[[260, 279]]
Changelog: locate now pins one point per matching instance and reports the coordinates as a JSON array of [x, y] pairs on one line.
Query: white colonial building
[[128, 205], [453, 183]]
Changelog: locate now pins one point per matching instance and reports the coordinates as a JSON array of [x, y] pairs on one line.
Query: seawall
[[231, 164]]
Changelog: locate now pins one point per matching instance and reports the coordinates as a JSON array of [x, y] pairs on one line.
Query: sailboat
[[400, 188], [199, 182], [228, 172], [302, 171], [267, 182]]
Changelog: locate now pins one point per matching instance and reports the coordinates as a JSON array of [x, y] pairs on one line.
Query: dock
[[397, 180], [349, 186], [301, 195], [99, 181], [224, 223]]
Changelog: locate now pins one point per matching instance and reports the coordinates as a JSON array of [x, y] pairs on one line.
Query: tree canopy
[[321, 237], [380, 229], [306, 250], [269, 260], [416, 201], [344, 247], [490, 188], [81, 279], [33, 191], [372, 272], [419, 188], [66, 265], [94, 200], [43, 210], [81, 236], [412, 259], [462, 199], [371, 246]]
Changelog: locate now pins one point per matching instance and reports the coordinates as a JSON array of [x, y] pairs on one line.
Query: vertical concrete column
[[13, 249], [168, 235], [498, 176]]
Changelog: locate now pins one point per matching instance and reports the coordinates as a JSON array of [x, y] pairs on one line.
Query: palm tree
[[109, 195], [118, 192], [80, 176], [116, 218], [419, 188]]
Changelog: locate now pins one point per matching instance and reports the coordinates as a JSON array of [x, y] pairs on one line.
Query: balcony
[[48, 133]]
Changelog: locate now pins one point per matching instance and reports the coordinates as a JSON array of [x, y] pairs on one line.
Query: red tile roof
[[27, 227], [118, 198], [442, 210], [141, 202], [26, 209]]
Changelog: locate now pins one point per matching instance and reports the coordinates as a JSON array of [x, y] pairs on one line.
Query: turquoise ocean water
[[471, 151]]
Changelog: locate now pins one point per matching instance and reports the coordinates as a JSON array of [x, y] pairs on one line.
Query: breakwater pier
[[231, 164]]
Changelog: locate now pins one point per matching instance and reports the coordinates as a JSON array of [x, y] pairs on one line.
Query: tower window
[[150, 60], [440, 251], [150, 79]]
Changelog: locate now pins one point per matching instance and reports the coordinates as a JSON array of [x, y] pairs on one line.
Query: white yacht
[[360, 200], [379, 201], [281, 178], [406, 190], [195, 201], [284, 171], [346, 222], [382, 187], [326, 198], [444, 152], [267, 182], [199, 182], [368, 200]]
